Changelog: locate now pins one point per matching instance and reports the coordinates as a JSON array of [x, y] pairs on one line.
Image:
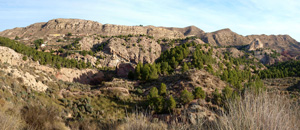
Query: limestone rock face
[[85, 28], [29, 79], [85, 76], [145, 51], [88, 42], [224, 37], [255, 44], [279, 43], [9, 56], [189, 31]]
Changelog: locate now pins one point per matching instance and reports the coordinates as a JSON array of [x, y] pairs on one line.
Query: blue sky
[[242, 16]]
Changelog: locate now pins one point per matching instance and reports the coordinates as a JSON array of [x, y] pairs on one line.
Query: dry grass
[[263, 111], [253, 112], [8, 122], [41, 118], [140, 121]]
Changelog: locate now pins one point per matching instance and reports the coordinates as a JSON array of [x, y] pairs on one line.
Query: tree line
[[44, 58], [281, 70]]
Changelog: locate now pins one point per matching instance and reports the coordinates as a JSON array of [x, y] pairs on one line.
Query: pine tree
[[174, 62], [138, 68], [163, 89], [171, 103], [185, 67], [153, 93], [153, 72], [186, 96], [164, 67]]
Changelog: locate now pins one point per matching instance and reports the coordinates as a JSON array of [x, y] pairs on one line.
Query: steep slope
[[224, 37], [58, 33], [188, 31], [278, 42], [255, 44]]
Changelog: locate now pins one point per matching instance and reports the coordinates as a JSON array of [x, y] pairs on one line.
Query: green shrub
[[199, 93], [216, 97], [171, 103], [24, 58], [163, 89], [227, 92], [186, 96]]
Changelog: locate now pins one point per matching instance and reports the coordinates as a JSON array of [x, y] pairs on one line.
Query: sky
[[244, 17]]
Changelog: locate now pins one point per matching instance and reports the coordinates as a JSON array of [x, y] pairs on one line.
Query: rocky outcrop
[[28, 79], [9, 56], [124, 69], [278, 42], [255, 44], [141, 49], [85, 28], [224, 37], [189, 31], [87, 43]]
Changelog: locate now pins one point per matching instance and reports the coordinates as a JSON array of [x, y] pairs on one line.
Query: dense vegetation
[[42, 57], [282, 69], [181, 56], [196, 56], [92, 108]]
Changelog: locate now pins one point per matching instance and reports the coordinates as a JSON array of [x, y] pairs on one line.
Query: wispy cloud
[[242, 16]]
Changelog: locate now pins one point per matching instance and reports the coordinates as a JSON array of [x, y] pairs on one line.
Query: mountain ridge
[[80, 27]]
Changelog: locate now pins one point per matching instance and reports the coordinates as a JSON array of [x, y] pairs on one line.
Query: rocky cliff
[[226, 37], [86, 27], [147, 50], [255, 44]]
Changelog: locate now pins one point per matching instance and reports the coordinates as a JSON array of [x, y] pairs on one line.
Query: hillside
[[80, 74], [57, 33]]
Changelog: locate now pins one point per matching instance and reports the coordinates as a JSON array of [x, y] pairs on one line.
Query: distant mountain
[[87, 27], [224, 37], [188, 31]]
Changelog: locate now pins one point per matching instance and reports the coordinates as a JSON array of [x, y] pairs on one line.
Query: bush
[[227, 92], [24, 58], [186, 97], [185, 67], [163, 89], [69, 34], [17, 38], [217, 99], [155, 101], [199, 93], [41, 118], [171, 103]]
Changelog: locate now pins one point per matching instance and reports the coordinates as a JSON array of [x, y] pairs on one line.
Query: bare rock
[[28, 79], [85, 76], [224, 37], [145, 51], [86, 27], [255, 44], [9, 56], [189, 31], [124, 69]]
